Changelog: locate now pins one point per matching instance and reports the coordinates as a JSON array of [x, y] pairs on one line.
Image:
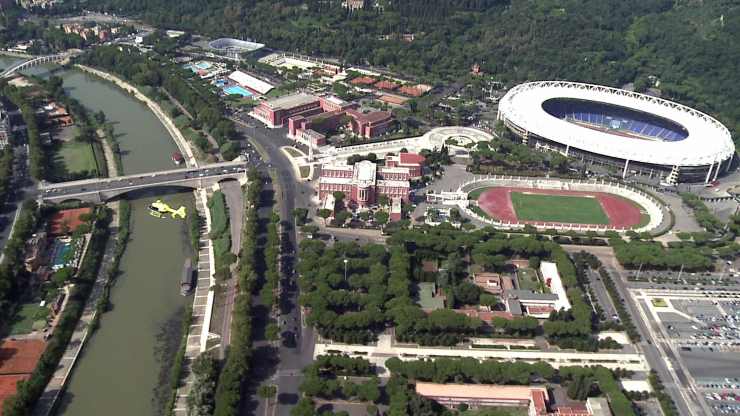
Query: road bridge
[[38, 60], [103, 189]]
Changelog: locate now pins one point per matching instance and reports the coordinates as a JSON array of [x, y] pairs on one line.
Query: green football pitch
[[558, 208]]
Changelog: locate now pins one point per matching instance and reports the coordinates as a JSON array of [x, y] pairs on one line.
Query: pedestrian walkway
[[54, 388], [199, 331]]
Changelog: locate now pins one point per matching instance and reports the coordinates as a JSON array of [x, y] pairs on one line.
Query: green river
[[123, 369]]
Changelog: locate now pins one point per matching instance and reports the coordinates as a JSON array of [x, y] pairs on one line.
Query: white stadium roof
[[708, 141]]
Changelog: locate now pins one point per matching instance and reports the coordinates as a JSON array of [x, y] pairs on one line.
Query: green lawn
[[24, 320], [497, 411], [527, 280], [74, 157], [474, 195], [558, 208], [293, 152], [219, 214]]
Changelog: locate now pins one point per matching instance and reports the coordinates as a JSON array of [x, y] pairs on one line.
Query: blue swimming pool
[[203, 65], [237, 90], [220, 83], [60, 254]]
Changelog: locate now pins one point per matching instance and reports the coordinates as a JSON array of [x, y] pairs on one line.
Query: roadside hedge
[[236, 368]]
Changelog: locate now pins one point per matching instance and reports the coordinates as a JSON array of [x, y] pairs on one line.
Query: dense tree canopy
[[689, 46]]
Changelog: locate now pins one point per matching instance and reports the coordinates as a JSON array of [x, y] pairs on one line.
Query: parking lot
[[706, 333]]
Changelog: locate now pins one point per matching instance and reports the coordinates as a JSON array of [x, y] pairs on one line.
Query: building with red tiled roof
[[393, 99], [363, 182], [477, 395], [386, 85], [411, 90], [371, 124], [535, 398], [67, 220], [493, 283], [363, 81], [412, 161]]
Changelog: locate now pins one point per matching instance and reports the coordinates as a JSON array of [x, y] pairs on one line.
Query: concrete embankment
[[180, 140]]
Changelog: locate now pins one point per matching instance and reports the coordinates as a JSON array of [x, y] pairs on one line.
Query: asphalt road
[[22, 188], [660, 357], [296, 347]]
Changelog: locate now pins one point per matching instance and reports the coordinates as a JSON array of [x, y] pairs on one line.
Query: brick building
[[276, 112], [363, 182], [371, 124], [411, 161], [328, 114], [307, 127]]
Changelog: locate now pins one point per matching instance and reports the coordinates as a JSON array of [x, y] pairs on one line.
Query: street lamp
[[345, 269]]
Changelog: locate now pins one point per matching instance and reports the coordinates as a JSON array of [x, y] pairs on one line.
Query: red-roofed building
[[363, 81], [412, 91], [67, 220], [308, 128], [363, 182], [393, 99], [386, 85], [412, 161], [571, 410], [477, 395], [276, 112], [372, 124], [535, 398], [493, 282]]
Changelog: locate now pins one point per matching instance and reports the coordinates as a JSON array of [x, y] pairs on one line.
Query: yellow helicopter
[[160, 208]]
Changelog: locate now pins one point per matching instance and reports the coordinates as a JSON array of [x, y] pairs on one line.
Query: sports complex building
[[233, 48], [637, 133]]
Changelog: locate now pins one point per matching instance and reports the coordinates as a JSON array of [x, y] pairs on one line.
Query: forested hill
[[692, 46]]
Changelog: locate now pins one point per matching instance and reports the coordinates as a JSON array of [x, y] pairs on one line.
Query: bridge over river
[[39, 60], [103, 189]]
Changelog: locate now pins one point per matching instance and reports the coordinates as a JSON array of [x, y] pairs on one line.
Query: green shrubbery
[[220, 234], [236, 367], [703, 216]]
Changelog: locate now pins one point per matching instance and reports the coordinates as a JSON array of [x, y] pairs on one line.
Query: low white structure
[[636, 385], [551, 276], [385, 349], [246, 80], [432, 139]]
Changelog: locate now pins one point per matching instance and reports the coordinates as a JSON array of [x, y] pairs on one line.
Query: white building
[[250, 82]]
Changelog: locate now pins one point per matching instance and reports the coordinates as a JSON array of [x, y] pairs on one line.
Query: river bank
[[121, 367], [177, 136], [167, 338]]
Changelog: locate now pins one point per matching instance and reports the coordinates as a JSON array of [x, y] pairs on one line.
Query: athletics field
[[539, 206]]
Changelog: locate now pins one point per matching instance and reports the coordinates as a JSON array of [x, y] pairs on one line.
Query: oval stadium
[[232, 48], [637, 133]]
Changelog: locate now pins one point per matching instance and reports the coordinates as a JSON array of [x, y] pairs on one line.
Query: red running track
[[621, 212]]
